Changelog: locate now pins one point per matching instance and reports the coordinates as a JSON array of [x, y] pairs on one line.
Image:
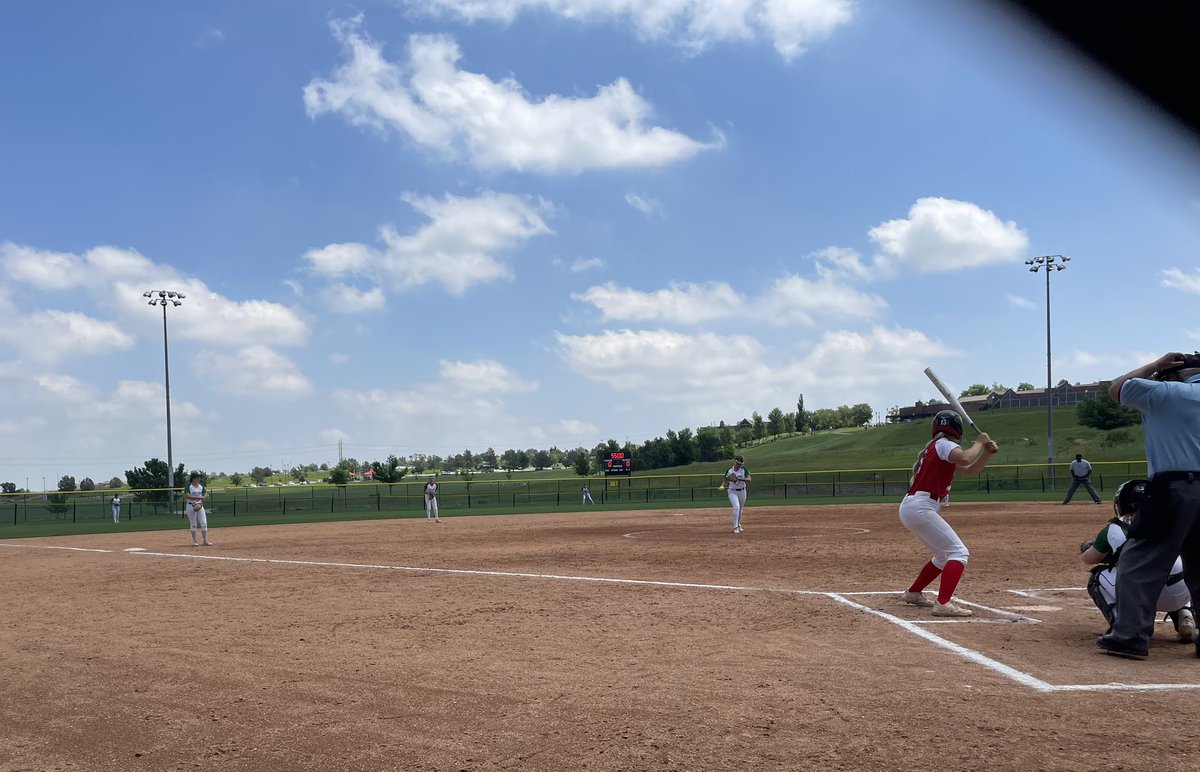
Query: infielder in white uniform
[[194, 507], [737, 477], [431, 507]]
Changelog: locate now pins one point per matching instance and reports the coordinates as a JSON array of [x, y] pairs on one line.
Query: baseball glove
[[1084, 546]]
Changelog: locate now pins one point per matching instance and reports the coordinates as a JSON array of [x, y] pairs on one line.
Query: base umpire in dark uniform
[[1167, 392]]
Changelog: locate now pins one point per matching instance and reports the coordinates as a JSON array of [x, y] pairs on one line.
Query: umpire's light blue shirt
[[1170, 421]]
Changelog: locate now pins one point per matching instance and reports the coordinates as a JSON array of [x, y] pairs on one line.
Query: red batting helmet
[[948, 422]]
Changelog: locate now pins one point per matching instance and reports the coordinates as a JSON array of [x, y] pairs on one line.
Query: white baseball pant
[[921, 514], [737, 500]]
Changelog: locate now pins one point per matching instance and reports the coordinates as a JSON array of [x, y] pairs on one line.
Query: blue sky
[[424, 226]]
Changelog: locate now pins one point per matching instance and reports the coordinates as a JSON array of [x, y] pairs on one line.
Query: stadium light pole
[[1049, 264], [163, 298]]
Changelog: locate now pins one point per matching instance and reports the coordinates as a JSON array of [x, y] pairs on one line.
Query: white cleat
[[1187, 625], [950, 610], [916, 598]]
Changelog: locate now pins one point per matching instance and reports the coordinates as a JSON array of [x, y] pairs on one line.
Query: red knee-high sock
[[950, 576], [928, 573]]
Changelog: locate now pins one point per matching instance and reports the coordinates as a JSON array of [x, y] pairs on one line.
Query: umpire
[[1081, 474], [1167, 392]]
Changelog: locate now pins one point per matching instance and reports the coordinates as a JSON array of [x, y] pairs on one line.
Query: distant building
[[1060, 396]]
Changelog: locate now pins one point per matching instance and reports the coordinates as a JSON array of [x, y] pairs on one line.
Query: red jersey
[[934, 475]]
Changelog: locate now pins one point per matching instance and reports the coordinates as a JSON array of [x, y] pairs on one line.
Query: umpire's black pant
[[1075, 483], [1146, 562]]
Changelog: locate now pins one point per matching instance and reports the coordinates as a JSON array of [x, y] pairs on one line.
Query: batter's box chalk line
[[1000, 668]]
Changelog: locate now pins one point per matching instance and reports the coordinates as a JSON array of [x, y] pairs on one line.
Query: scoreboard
[[618, 463]]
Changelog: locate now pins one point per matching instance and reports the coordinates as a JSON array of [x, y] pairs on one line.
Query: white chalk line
[[479, 572], [1008, 615], [1025, 679], [1035, 592], [808, 532], [47, 547], [1020, 677]]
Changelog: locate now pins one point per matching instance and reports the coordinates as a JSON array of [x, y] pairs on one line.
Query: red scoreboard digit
[[618, 462]]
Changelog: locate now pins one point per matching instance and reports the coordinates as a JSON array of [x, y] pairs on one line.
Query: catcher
[[1103, 552]]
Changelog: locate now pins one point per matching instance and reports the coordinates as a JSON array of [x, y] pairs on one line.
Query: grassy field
[[1021, 435], [868, 465]]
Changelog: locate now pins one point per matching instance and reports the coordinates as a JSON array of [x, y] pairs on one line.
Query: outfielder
[[194, 496], [1103, 552], [587, 496], [920, 511], [431, 505], [737, 477]]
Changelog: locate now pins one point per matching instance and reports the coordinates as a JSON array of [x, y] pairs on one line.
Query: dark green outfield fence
[[547, 494]]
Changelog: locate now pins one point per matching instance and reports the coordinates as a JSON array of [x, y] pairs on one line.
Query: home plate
[[1034, 608], [133, 549]]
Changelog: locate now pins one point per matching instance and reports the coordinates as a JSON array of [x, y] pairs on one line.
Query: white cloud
[[482, 375], [794, 299], [257, 371], [455, 249], [791, 25], [713, 377], [576, 428], [49, 336], [42, 269], [344, 299], [1018, 301], [852, 362], [941, 234], [582, 264], [679, 303], [663, 365], [789, 300], [1177, 279], [838, 262], [647, 206], [210, 38], [464, 404], [65, 388], [494, 125], [118, 277]]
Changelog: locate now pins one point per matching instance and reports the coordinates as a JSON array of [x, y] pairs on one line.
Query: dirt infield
[[601, 641]]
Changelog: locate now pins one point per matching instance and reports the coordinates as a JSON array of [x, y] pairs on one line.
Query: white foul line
[[47, 547], [477, 572]]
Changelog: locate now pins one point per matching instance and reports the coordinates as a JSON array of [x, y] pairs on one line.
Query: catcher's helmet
[[949, 423], [1128, 498]]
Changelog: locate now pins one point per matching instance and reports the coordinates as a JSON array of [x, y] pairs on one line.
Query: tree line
[[677, 448]]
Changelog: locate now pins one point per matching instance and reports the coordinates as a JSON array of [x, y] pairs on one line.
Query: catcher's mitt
[[1084, 546]]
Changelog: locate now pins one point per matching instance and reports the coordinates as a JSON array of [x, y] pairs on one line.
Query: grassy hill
[[1020, 433]]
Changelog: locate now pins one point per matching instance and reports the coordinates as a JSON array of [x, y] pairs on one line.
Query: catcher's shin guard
[[1093, 588]]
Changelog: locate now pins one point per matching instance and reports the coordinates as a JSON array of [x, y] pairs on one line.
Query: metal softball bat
[[949, 395]]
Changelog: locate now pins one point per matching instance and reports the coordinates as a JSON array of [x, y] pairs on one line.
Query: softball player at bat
[[737, 477], [194, 507], [920, 511]]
